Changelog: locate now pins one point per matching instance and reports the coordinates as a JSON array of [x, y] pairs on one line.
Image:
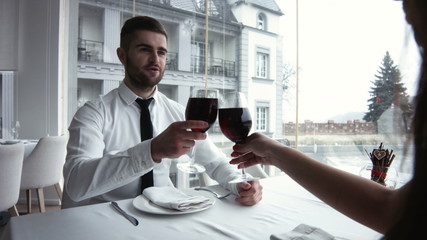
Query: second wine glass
[[235, 122], [202, 105]]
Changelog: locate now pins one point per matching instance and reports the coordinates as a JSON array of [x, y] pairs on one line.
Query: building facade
[[245, 51], [70, 57]]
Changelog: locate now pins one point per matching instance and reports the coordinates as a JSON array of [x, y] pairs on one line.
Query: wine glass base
[[191, 167], [243, 179]]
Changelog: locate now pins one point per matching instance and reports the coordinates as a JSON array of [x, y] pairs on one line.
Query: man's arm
[[216, 164], [89, 172]]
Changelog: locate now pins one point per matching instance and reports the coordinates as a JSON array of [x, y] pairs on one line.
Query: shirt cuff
[[233, 188], [141, 155]]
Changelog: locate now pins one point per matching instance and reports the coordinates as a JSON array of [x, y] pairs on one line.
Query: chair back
[[43, 167], [11, 158]]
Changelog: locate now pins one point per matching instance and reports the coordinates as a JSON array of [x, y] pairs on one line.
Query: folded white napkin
[[170, 197], [303, 232]]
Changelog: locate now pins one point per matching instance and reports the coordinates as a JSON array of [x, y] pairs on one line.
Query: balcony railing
[[90, 51], [216, 66]]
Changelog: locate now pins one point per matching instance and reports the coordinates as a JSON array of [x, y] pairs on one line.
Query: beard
[[138, 78]]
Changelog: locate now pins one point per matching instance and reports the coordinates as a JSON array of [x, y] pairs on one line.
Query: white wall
[[261, 90], [248, 15], [8, 34]]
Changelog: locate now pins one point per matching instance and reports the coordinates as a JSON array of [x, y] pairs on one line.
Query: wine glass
[[235, 122], [202, 105]]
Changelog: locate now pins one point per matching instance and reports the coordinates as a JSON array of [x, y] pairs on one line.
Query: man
[[105, 155]]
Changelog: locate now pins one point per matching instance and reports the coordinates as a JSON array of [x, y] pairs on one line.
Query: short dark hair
[[139, 23]]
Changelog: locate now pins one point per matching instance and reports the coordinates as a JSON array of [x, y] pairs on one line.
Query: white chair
[[43, 168], [255, 171], [11, 158]]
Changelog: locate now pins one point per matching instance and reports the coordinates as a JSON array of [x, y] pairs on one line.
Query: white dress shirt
[[105, 155]]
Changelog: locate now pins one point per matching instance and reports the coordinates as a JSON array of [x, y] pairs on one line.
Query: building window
[[198, 57], [213, 10], [261, 118], [98, 23], [261, 22], [261, 65]]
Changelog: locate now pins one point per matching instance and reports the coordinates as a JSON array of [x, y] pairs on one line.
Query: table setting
[[172, 201], [285, 206]]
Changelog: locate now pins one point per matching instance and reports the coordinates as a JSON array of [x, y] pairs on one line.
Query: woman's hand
[[255, 150]]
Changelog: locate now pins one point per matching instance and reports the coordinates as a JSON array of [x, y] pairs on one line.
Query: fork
[[213, 192]]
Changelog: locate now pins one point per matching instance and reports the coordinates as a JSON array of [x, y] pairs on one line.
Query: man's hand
[[177, 140], [250, 193]]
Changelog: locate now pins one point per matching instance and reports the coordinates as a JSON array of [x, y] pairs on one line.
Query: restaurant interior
[[56, 55]]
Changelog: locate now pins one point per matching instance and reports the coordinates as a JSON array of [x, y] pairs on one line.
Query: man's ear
[[121, 54]]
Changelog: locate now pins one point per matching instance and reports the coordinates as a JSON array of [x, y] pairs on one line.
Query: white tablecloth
[[284, 206], [29, 145]]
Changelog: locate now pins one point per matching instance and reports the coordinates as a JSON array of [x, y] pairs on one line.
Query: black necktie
[[146, 133]]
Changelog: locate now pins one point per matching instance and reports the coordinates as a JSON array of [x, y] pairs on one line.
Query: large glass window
[[319, 64]]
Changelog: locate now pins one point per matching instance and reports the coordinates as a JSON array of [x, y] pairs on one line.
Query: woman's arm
[[360, 199]]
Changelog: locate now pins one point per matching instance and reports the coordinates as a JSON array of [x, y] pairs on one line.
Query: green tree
[[388, 92]]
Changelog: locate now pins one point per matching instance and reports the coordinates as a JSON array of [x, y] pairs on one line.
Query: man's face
[[145, 60]]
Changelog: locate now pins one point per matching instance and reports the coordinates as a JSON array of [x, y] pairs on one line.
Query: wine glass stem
[[243, 173], [191, 155]]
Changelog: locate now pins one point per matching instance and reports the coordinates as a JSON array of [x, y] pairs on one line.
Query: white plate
[[143, 204]]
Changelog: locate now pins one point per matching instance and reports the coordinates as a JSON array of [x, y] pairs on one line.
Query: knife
[[131, 219]]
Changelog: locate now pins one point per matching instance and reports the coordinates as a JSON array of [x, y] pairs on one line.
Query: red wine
[[235, 123], [205, 109]]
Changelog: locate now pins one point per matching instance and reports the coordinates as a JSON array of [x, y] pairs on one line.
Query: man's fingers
[[193, 124]]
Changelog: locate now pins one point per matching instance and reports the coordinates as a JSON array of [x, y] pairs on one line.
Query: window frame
[[262, 116], [262, 65], [261, 21]]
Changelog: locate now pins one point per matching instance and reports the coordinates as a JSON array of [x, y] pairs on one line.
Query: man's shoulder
[[101, 103], [106, 99], [112, 95], [164, 100]]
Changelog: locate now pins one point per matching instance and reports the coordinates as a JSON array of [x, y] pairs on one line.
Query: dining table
[[29, 144], [284, 206]]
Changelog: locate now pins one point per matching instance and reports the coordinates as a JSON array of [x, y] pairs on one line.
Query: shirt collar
[[129, 97]]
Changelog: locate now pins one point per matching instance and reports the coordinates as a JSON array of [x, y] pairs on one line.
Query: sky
[[341, 46]]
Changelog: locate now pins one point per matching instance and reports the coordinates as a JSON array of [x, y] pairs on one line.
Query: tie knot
[[144, 102]]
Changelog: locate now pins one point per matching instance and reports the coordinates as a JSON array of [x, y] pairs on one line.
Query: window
[[328, 119], [214, 10], [261, 65], [261, 119], [261, 22], [198, 57]]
